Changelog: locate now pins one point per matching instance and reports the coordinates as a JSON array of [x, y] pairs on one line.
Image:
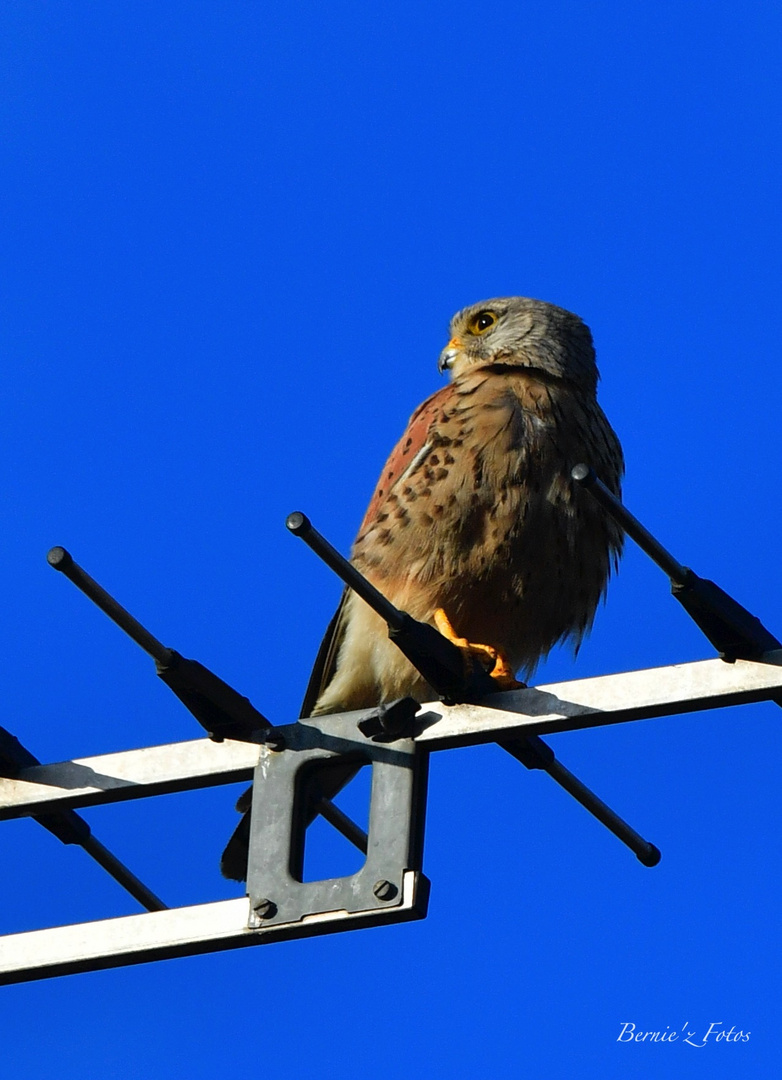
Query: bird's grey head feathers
[[514, 331]]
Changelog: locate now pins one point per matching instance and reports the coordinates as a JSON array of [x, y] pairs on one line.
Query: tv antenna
[[297, 769]]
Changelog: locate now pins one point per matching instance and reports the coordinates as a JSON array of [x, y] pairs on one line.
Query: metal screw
[[265, 909], [385, 890]]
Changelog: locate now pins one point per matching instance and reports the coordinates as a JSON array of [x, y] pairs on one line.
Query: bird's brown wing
[[408, 452], [403, 459], [326, 660]]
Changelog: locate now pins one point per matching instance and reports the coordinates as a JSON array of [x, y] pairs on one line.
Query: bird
[[475, 525]]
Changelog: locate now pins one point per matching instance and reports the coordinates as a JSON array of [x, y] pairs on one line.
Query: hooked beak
[[449, 354]]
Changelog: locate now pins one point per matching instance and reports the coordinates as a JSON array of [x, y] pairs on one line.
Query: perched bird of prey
[[475, 525]]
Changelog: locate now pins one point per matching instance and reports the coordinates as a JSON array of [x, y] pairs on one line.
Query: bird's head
[[514, 331]]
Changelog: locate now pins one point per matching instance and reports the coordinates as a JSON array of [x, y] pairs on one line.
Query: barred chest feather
[[475, 513], [484, 521]]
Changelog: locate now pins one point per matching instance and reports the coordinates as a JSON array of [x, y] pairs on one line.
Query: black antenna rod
[[441, 664], [734, 632], [62, 560], [216, 706], [70, 828], [438, 660], [589, 479]]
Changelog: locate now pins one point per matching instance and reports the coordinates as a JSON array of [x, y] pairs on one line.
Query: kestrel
[[475, 525]]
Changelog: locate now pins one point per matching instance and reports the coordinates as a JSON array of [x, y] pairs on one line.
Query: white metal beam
[[159, 770], [186, 931], [131, 774], [582, 703], [608, 699]]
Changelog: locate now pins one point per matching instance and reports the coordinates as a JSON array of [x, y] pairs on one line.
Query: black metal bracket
[[288, 792], [393, 721]]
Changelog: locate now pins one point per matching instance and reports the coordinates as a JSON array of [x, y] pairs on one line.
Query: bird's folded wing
[[326, 661]]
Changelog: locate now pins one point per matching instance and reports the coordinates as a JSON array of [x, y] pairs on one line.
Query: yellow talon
[[498, 665]]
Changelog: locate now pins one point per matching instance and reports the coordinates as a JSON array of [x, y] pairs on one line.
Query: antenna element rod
[[61, 560], [587, 477], [300, 525]]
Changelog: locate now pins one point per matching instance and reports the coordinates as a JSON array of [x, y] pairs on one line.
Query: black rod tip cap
[[582, 474], [297, 523], [650, 856], [59, 558]]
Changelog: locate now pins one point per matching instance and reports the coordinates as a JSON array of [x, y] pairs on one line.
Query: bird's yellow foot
[[502, 673], [492, 659]]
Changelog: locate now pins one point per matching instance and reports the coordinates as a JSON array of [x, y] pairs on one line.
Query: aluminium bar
[[184, 931], [567, 706], [129, 774], [606, 699]]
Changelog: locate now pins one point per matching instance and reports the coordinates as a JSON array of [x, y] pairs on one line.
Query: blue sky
[[233, 236]]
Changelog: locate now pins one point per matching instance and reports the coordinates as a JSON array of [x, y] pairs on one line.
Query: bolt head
[[265, 909], [385, 890]]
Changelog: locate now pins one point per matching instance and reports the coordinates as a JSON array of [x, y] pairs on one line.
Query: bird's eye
[[481, 322]]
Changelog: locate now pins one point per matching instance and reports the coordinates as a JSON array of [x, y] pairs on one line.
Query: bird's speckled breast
[[475, 511]]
